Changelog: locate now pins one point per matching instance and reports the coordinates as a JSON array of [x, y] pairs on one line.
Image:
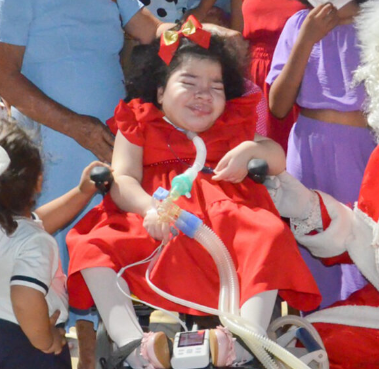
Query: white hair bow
[[4, 160]]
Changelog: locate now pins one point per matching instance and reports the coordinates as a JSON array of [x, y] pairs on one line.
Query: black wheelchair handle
[[103, 178], [257, 170]]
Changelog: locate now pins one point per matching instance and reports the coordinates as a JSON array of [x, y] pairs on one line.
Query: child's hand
[[58, 334], [319, 22], [156, 229], [233, 166], [59, 340], [87, 186]]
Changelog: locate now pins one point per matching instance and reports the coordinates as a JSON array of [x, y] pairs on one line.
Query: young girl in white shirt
[[33, 298]]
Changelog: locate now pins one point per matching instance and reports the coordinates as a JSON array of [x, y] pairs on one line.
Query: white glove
[[290, 196]]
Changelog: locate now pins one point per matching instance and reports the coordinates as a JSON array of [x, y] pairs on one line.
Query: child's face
[[194, 96]]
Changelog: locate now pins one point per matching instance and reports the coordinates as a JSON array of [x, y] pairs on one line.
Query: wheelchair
[[312, 351]]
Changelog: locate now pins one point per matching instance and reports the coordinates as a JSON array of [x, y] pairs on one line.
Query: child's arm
[[284, 90], [31, 311], [57, 213], [126, 190], [233, 166]]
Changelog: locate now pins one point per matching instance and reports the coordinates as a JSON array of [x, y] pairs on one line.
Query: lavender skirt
[[331, 158]]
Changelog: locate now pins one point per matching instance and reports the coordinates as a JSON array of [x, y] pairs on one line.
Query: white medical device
[[191, 350]]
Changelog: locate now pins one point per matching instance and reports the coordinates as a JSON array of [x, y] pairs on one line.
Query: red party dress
[[242, 215], [263, 24]]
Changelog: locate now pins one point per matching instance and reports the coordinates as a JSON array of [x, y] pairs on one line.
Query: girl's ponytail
[[7, 223], [20, 168]]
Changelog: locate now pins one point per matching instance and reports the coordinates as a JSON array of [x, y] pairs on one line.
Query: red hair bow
[[191, 29]]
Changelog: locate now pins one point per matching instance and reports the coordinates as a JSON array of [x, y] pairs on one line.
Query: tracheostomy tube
[[182, 184]]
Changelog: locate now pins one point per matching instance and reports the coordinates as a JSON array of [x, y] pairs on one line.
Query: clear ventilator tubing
[[229, 303], [229, 298], [201, 151]]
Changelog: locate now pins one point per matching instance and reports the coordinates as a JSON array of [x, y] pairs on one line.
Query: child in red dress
[[199, 89]]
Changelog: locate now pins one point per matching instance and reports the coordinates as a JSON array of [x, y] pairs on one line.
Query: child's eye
[[218, 88]]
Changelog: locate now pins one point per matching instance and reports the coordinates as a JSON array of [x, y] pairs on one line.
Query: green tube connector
[[180, 185]]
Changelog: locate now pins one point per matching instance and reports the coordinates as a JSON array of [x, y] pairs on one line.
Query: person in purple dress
[[329, 146]]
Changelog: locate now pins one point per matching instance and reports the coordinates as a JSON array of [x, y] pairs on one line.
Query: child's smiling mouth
[[201, 109]]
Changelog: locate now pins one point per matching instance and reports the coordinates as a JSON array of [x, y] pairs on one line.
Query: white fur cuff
[[356, 316], [332, 241]]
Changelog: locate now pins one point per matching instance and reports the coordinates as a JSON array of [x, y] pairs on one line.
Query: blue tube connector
[[188, 223]]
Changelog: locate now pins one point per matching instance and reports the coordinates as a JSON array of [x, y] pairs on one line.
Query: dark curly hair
[[18, 183], [148, 71], [306, 3]]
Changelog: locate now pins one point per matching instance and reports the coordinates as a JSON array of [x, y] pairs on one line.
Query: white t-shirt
[[30, 257]]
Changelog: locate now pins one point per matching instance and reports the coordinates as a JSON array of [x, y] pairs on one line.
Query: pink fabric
[[226, 347]]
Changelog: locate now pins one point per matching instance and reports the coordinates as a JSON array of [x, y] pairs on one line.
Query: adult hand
[[234, 39], [93, 135], [291, 198]]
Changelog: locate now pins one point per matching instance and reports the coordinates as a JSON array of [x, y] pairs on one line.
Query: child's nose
[[204, 93]]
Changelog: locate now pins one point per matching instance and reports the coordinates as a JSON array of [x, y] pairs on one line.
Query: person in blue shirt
[[62, 75]]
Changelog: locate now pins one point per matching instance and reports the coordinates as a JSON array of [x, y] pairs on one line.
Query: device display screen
[[191, 339]]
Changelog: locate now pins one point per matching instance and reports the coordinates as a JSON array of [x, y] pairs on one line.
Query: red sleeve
[[124, 120], [326, 220]]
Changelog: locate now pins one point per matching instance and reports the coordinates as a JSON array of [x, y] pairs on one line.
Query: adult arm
[[319, 222], [21, 93], [200, 12], [144, 27], [285, 88]]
